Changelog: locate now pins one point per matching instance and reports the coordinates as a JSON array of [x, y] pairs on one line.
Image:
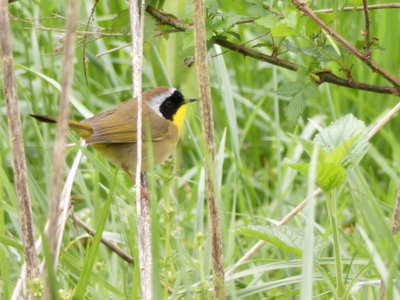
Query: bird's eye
[[168, 104]]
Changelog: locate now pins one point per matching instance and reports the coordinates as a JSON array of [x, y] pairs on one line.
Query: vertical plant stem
[[331, 205], [59, 151], [17, 147], [208, 134], [167, 248], [142, 203], [277, 125]]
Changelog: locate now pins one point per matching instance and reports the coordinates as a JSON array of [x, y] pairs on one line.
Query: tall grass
[[257, 187]]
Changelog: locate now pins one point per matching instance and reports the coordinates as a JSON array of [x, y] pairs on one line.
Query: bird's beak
[[187, 101]]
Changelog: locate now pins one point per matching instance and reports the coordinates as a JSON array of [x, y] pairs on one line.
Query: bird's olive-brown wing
[[119, 125]]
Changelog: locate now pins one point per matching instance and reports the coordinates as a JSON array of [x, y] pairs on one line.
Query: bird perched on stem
[[114, 132]]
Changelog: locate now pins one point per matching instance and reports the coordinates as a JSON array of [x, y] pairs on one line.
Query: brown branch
[[322, 76], [207, 125], [367, 44], [368, 61], [59, 152], [113, 247], [359, 8], [168, 19], [17, 146]]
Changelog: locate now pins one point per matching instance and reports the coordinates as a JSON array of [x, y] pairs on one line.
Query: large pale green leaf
[[287, 238], [339, 133]]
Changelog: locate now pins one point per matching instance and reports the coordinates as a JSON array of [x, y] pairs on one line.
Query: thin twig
[[386, 118], [84, 41], [113, 50], [203, 80], [367, 44], [113, 247], [59, 152], [345, 43], [359, 8], [142, 203], [17, 146], [319, 76]]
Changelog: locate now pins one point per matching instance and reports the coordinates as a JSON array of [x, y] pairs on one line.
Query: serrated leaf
[[285, 237], [291, 19], [289, 89], [310, 51], [342, 131], [291, 46], [255, 9], [340, 152], [282, 30], [310, 90], [212, 7], [329, 175], [268, 21], [231, 18], [295, 108]]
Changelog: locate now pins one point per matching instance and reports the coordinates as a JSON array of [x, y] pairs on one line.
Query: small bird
[[114, 132]]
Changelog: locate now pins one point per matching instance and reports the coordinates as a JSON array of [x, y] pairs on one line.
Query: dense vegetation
[[266, 119]]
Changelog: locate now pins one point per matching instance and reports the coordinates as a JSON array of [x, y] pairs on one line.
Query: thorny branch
[[345, 43], [318, 76]]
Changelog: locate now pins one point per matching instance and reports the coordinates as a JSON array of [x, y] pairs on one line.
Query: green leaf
[[295, 108], [231, 18], [342, 131], [212, 7], [302, 167], [149, 27], [286, 238], [330, 170], [291, 20], [188, 40], [255, 9], [289, 89], [282, 30], [268, 21], [330, 175]]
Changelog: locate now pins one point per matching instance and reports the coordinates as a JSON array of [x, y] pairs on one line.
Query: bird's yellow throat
[[179, 117]]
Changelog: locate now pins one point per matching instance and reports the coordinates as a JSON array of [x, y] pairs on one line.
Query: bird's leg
[[144, 193]]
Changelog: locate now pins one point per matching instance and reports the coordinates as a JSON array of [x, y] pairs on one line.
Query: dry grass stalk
[[142, 203], [59, 152], [18, 154], [208, 134]]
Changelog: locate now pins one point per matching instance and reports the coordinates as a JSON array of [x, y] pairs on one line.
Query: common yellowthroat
[[114, 132]]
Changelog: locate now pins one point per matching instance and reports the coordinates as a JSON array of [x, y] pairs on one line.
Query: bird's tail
[[84, 129]]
